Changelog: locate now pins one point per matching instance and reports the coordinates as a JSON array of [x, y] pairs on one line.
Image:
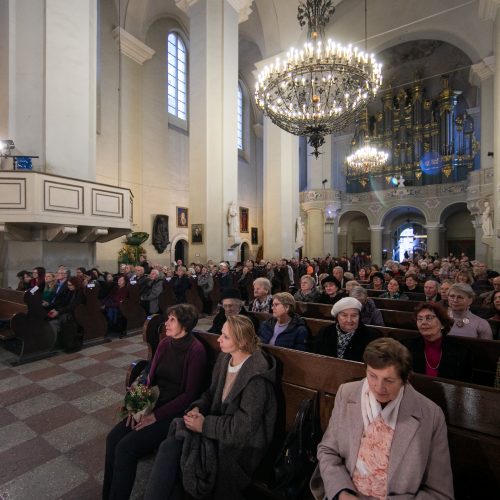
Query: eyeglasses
[[276, 304], [427, 318], [456, 297]]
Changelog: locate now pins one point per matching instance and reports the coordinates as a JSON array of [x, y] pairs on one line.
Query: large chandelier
[[320, 89]]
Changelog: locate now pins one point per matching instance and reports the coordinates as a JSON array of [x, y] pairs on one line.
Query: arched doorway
[[244, 252], [180, 251]]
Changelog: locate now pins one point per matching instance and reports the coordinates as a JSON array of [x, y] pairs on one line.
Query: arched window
[[177, 76], [240, 119]]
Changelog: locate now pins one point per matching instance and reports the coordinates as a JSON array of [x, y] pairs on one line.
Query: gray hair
[[308, 278], [462, 288], [264, 282], [360, 293]]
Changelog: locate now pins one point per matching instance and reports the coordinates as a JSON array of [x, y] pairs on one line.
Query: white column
[[70, 87], [496, 142], [376, 244], [281, 191], [433, 237], [315, 229], [213, 155], [26, 68]]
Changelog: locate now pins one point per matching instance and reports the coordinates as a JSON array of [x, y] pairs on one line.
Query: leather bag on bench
[[297, 459]]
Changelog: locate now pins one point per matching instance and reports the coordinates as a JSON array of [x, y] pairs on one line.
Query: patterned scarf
[[343, 339], [264, 306]]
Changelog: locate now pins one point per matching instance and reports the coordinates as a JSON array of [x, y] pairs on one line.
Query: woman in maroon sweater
[[178, 369]]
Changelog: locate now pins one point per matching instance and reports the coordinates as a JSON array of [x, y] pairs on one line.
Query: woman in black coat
[[347, 337]]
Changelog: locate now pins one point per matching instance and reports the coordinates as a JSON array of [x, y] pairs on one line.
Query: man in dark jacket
[[347, 338], [231, 304]]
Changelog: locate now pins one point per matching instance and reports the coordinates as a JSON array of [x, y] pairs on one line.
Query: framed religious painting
[[182, 217], [196, 234], [255, 235], [243, 220]]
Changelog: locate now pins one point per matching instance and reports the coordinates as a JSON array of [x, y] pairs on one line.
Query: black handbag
[[297, 459]]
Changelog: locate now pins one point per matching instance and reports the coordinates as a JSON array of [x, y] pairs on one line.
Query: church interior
[[137, 124]]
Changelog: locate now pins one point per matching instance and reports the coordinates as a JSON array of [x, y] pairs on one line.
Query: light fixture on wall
[[320, 89]]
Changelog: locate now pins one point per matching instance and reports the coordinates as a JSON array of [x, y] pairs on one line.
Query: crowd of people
[[226, 429]]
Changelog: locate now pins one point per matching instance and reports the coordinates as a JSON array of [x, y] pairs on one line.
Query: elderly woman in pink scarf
[[384, 440]]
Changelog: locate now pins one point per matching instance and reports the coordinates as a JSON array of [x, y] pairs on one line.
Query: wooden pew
[[30, 335], [399, 305], [132, 310], [484, 353], [471, 411], [166, 298], [90, 317]]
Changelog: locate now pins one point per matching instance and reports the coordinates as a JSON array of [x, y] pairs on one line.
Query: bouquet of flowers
[[139, 400]]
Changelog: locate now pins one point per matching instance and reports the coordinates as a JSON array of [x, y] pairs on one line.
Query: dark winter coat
[[325, 342], [296, 335], [243, 425]]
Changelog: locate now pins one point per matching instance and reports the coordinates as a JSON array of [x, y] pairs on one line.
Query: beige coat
[[419, 461]]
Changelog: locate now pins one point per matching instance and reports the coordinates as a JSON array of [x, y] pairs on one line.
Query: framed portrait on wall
[[182, 217], [197, 234], [243, 220], [255, 236]]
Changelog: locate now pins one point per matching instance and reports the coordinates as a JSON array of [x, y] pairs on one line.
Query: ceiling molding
[[132, 47], [242, 7]]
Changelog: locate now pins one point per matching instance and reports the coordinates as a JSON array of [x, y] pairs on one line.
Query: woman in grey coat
[[237, 413]]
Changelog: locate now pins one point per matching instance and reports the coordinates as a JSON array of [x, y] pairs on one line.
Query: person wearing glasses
[[432, 352], [466, 324], [286, 328]]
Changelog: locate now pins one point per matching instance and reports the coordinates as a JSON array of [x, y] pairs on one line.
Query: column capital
[[242, 7], [132, 47], [488, 9], [433, 225], [482, 70], [376, 228]]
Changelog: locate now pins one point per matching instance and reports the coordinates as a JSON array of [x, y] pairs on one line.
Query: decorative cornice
[[488, 9], [242, 7], [482, 70], [132, 47], [376, 228]]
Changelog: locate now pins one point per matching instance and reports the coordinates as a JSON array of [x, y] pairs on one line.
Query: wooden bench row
[[471, 411]]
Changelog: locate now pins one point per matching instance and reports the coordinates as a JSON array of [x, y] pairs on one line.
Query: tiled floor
[[54, 417]]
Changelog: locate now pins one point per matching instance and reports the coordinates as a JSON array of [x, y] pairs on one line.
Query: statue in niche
[[299, 232], [160, 233], [232, 219], [487, 224]]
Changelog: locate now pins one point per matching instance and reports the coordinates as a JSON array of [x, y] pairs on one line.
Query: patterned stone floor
[[54, 417]]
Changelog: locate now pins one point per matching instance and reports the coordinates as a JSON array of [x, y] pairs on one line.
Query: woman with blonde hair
[[234, 421]]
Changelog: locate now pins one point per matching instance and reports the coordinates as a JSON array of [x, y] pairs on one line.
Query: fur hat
[[230, 293]]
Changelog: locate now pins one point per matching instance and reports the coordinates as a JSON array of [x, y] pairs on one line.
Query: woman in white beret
[[347, 337]]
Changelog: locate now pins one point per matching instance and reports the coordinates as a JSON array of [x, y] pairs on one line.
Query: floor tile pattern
[[54, 417]]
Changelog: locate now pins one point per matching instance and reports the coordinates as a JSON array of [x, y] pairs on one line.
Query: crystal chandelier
[[320, 89], [366, 161]]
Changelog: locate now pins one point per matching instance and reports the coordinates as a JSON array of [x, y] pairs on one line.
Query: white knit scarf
[[371, 408]]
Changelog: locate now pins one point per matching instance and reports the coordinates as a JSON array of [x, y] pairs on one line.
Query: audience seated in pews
[[377, 281], [412, 285], [487, 298], [370, 314], [348, 336], [178, 369], [232, 424], [24, 280], [206, 285], [263, 299], [443, 291], [495, 306], [465, 323], [308, 291], [332, 292], [384, 439], [433, 354], [111, 303], [49, 289], [431, 291], [231, 305], [152, 291], [286, 328], [393, 291]]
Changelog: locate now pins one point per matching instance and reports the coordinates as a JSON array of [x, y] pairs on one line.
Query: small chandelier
[[366, 161], [320, 89]]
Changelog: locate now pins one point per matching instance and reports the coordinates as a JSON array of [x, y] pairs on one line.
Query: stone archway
[[181, 251]]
